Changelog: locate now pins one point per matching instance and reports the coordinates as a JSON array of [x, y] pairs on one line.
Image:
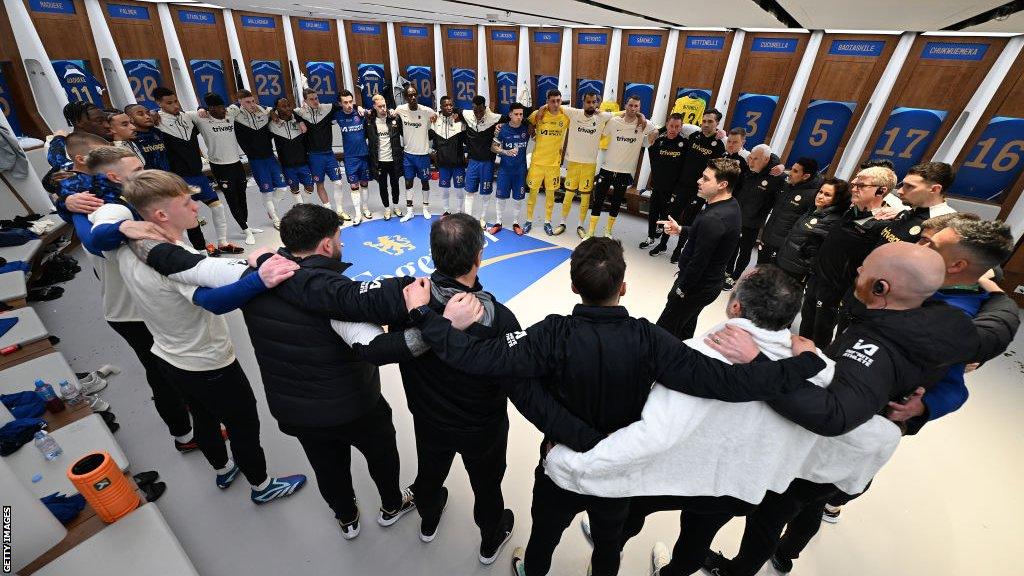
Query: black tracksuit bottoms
[[168, 401], [658, 210], [387, 172], [765, 524], [554, 509], [223, 396], [700, 519], [231, 182], [801, 529], [329, 451], [818, 317], [680, 314], [741, 257], [483, 455]]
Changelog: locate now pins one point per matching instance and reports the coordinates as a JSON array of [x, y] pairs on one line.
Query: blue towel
[[6, 324], [17, 433], [24, 404], [16, 265], [65, 508]]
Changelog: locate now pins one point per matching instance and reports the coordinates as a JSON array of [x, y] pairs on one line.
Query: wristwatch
[[417, 314]]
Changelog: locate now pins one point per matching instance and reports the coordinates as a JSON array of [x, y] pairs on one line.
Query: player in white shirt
[[628, 135], [193, 346], [416, 122]]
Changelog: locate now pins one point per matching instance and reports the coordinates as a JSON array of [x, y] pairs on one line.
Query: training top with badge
[[584, 134], [415, 129], [290, 142], [219, 135], [319, 129], [626, 139], [906, 227], [181, 137], [667, 156], [252, 130], [353, 133], [549, 136], [480, 133], [517, 139], [700, 149]]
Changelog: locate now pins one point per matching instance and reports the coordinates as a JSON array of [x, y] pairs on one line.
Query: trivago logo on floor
[[379, 249]]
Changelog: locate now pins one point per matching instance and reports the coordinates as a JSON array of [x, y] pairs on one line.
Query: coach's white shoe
[[249, 240], [408, 216]]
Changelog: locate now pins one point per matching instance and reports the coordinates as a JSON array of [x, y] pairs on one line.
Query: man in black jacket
[[448, 135], [600, 363], [842, 252], [455, 412], [701, 147], [756, 195], [713, 238], [894, 346], [667, 155], [321, 382], [794, 200]]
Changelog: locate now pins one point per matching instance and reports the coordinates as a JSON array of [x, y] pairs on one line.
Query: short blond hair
[[378, 98], [148, 187], [880, 176], [104, 157]]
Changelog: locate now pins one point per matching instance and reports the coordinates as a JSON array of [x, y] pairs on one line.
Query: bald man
[[895, 344]]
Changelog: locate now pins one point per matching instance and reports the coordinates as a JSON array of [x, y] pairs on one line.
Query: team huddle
[[746, 419]]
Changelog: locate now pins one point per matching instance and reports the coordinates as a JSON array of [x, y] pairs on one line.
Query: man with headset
[[842, 252]]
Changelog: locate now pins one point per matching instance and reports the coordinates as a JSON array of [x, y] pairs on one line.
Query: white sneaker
[[351, 530], [357, 219], [408, 216], [367, 215], [343, 215], [256, 230], [92, 383], [659, 557], [97, 404], [387, 213], [426, 213], [277, 223], [249, 237], [483, 224]]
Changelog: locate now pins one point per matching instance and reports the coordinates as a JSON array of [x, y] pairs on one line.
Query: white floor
[[949, 503]]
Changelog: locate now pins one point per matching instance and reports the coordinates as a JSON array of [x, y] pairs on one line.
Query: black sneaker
[[716, 564], [428, 530], [489, 551], [647, 243], [349, 530], [675, 257], [783, 565], [658, 250], [387, 518], [143, 478]]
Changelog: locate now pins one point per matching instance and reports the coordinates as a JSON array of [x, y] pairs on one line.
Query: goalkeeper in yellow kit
[[550, 129]]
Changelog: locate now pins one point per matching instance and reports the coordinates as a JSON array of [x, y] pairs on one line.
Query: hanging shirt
[[692, 109], [353, 133], [549, 136], [415, 129], [510, 138], [584, 134], [625, 140]]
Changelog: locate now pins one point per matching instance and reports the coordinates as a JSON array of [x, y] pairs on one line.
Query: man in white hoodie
[[714, 460]]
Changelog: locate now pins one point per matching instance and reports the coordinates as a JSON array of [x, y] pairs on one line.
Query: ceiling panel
[[916, 15], [720, 13], [1013, 23]]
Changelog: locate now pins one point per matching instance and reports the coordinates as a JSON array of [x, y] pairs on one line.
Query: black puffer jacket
[[311, 376], [790, 203], [798, 252]]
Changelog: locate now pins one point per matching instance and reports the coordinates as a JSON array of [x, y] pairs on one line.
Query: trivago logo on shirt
[[626, 139], [386, 249]]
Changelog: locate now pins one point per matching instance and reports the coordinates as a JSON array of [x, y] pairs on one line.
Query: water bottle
[[47, 446], [72, 396], [53, 402]]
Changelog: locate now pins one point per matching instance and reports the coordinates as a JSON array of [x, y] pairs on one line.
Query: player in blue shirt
[[357, 169], [509, 144]]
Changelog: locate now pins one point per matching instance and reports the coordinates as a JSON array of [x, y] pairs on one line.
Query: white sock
[[220, 222], [184, 439], [499, 205], [518, 211], [227, 467], [297, 196], [364, 195], [339, 206], [408, 196], [446, 194], [278, 194], [263, 485], [468, 203], [271, 209], [327, 205], [356, 202], [460, 200]]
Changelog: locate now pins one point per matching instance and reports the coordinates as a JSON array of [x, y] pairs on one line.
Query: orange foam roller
[[104, 487]]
